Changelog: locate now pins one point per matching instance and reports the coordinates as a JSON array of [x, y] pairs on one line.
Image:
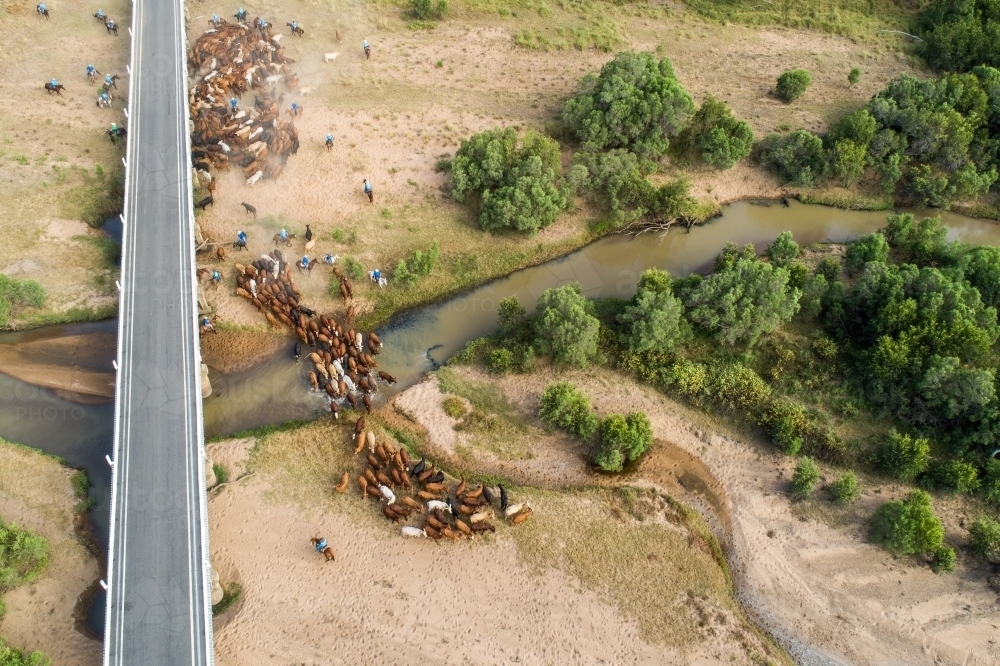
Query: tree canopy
[[623, 438], [655, 317], [566, 327], [744, 300], [716, 136], [513, 177], [563, 406], [961, 34], [634, 103], [908, 527], [793, 84]]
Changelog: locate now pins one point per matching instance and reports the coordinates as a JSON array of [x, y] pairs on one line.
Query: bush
[[904, 457], [566, 327], [563, 406], [744, 301], [829, 268], [353, 268], [797, 158], [783, 250], [804, 479], [513, 177], [787, 423], [418, 265], [16, 296], [960, 34], [10, 656], [846, 489], [687, 378], [716, 136], [655, 317], [908, 527], [510, 313], [991, 482], [960, 477], [870, 247], [635, 103], [854, 76], [984, 539], [793, 84], [943, 560], [501, 361], [23, 555], [623, 438], [736, 386]]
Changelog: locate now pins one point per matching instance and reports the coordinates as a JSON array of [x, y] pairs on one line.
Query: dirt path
[[35, 493]]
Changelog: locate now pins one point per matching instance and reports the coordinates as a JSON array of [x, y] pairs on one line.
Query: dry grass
[[52, 152]]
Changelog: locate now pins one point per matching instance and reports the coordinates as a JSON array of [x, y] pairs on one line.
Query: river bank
[[37, 493]]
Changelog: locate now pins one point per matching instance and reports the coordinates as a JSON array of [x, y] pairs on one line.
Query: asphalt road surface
[[159, 581]]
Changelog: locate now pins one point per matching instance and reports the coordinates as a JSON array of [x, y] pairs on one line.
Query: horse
[[250, 209], [309, 234], [296, 30], [114, 82], [92, 75], [115, 133], [286, 241], [240, 15], [204, 203], [322, 546], [112, 27], [240, 244], [100, 16], [57, 88], [104, 100]]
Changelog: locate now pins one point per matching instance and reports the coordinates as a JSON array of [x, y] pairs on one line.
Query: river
[[276, 391]]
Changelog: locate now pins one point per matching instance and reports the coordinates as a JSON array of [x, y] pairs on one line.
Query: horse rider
[[108, 81], [368, 50], [91, 71], [376, 274], [216, 278], [53, 83], [41, 9], [329, 142], [295, 109], [234, 104], [368, 191], [105, 98], [241, 15], [261, 23], [320, 545], [100, 15], [207, 325], [215, 20], [283, 235], [241, 237], [295, 26], [113, 132], [329, 259], [304, 262]]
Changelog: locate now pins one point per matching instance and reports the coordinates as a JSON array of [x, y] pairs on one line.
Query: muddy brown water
[[276, 390]]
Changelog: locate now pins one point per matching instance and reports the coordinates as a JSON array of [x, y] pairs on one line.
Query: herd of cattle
[[442, 510], [228, 61]]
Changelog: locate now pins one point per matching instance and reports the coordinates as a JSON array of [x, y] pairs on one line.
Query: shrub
[[960, 34], [829, 268], [793, 84], [787, 423], [846, 488], [353, 268], [943, 559], [783, 250], [743, 302], [10, 656], [870, 247], [566, 327], [418, 265], [221, 474], [904, 457], [23, 555], [716, 136], [984, 539], [736, 386], [908, 527], [623, 438], [655, 318], [797, 158], [804, 479], [513, 177], [635, 103], [991, 482], [500, 361], [563, 406], [510, 313], [960, 477], [854, 76], [454, 407], [16, 296], [687, 378]]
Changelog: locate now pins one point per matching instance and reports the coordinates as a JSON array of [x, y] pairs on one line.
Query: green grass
[[221, 475], [93, 199], [81, 488], [75, 315], [109, 248], [262, 431], [10, 656], [454, 407], [231, 593], [842, 17], [493, 423]]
